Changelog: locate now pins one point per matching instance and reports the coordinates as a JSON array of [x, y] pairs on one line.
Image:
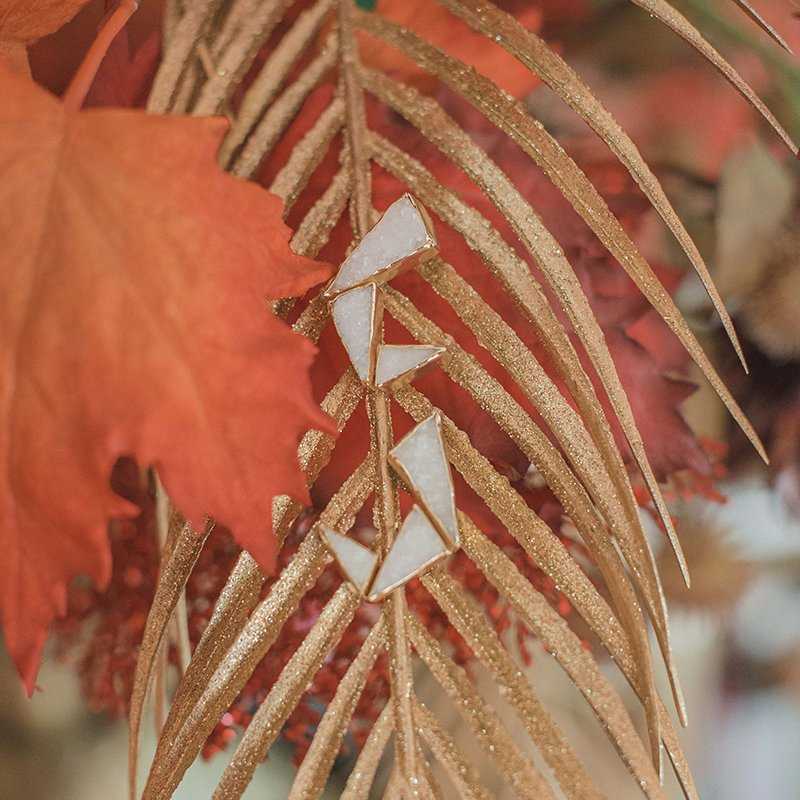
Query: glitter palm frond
[[209, 47]]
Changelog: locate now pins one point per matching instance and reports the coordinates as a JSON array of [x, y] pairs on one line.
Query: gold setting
[[400, 546], [412, 372], [412, 259], [329, 536], [418, 490], [375, 316]]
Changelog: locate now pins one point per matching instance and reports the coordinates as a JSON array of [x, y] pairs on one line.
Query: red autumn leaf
[[134, 279], [28, 20]]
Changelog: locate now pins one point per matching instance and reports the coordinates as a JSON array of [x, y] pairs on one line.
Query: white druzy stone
[[353, 314], [400, 232], [417, 545], [421, 453], [396, 360], [357, 561]]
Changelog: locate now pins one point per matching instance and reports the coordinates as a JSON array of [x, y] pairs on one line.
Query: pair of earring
[[402, 238]]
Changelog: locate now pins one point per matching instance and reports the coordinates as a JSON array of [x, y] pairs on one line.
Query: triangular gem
[[356, 561], [399, 360], [417, 546], [422, 463], [355, 314], [401, 234]]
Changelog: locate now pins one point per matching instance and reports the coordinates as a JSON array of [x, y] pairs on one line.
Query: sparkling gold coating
[[263, 90], [281, 113], [465, 370], [232, 62], [559, 76], [541, 544], [468, 618], [764, 25], [316, 448], [546, 152], [461, 772], [183, 40], [313, 772], [558, 639], [498, 744], [234, 604], [386, 502], [314, 230], [673, 19], [515, 276], [564, 282], [547, 552], [590, 482], [234, 21], [512, 117], [362, 776], [307, 154], [257, 636], [172, 580], [286, 692]]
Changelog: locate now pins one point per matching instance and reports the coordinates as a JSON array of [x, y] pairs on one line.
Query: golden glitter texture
[[208, 47]]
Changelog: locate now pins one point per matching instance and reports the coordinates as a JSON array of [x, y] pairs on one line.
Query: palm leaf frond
[[209, 46]]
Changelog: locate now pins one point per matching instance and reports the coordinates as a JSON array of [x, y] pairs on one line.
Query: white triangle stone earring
[[402, 238]]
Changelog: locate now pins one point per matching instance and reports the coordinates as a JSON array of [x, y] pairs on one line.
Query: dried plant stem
[[672, 18], [466, 371], [233, 61], [547, 552], [308, 153], [257, 636], [519, 282], [170, 585], [764, 25], [362, 776], [281, 113], [208, 47], [82, 80], [571, 181], [536, 238], [263, 90], [285, 693], [498, 744], [532, 51], [469, 620], [386, 503], [460, 771], [179, 53], [313, 772], [557, 638], [173, 10]]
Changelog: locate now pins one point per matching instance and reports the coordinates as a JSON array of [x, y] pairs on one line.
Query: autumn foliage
[[135, 281]]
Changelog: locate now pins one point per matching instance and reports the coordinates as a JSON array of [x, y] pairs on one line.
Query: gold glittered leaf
[[209, 47]]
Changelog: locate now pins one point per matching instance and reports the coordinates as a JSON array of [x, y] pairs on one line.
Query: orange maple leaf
[[134, 275]]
